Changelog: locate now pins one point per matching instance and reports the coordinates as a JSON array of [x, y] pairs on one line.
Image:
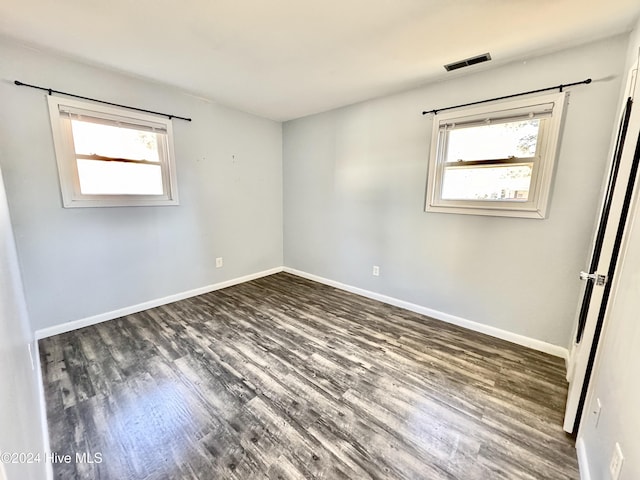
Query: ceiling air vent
[[467, 62]]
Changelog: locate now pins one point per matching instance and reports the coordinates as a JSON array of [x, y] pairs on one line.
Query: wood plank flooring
[[284, 378]]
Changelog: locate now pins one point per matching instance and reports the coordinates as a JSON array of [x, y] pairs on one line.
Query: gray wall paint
[[615, 377], [82, 262], [20, 421], [354, 190]]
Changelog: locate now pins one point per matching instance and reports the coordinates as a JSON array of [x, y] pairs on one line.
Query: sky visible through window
[[116, 142], [98, 177], [493, 141], [510, 182]]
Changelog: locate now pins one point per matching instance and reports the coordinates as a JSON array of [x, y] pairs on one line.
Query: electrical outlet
[[219, 262], [616, 462], [376, 271]]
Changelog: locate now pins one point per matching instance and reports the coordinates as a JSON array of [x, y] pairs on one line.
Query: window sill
[[119, 202], [492, 212]]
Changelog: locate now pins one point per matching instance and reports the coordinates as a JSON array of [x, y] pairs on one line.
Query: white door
[[600, 274]]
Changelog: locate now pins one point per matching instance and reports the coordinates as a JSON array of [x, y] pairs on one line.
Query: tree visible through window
[[479, 161], [495, 160]]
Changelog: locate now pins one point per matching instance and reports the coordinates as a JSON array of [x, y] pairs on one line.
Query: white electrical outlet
[[219, 262], [376, 271], [616, 462]]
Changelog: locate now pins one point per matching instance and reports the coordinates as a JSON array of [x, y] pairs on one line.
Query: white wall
[[354, 191], [20, 419], [615, 380], [82, 262], [615, 376]]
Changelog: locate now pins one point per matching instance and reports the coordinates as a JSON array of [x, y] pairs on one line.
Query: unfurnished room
[[320, 240]]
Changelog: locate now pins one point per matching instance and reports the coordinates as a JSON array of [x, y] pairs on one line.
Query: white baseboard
[[518, 339], [533, 343], [121, 312], [44, 427], [583, 461]]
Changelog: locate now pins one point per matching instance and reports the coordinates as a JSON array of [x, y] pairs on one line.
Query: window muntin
[[117, 159], [112, 157], [495, 160]]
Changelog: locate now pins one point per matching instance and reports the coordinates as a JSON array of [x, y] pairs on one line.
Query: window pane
[[494, 141], [119, 178], [115, 142], [502, 182]]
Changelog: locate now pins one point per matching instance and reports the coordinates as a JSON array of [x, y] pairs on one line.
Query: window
[[495, 160], [111, 157]]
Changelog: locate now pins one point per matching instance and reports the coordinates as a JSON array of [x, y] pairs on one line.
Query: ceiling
[[284, 59]]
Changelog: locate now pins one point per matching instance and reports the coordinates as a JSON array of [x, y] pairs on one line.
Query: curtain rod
[[559, 87], [51, 91]]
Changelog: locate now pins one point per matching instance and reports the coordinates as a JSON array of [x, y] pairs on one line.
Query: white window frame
[[549, 107], [66, 157]]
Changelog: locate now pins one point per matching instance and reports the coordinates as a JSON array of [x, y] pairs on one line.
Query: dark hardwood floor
[[283, 378]]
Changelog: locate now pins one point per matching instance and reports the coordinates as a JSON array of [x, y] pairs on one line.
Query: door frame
[[583, 350]]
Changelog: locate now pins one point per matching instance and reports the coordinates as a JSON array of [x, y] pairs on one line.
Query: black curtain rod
[[51, 91], [559, 87]]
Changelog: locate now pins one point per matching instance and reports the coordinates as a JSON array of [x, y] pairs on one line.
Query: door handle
[[599, 280]]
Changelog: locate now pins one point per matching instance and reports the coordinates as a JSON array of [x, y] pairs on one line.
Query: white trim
[[567, 359], [72, 196], [103, 317], [44, 427], [580, 358], [571, 362], [518, 339], [543, 165], [583, 460]]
